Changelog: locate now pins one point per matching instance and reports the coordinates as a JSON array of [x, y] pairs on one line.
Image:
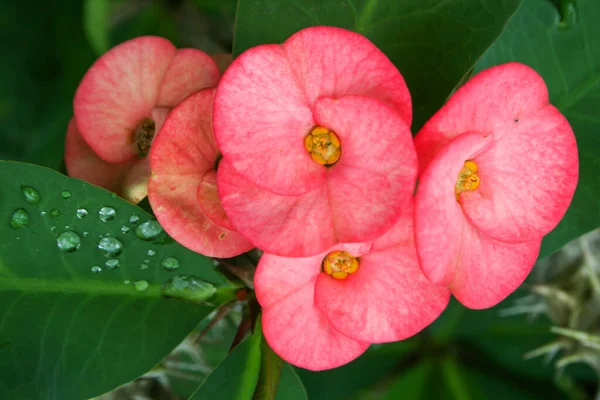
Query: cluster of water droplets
[[68, 240]]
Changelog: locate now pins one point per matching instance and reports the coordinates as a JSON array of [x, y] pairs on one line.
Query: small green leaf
[[566, 55], [95, 23], [83, 304], [235, 378], [434, 43], [290, 386]]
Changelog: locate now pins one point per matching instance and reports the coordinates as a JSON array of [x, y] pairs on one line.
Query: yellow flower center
[[467, 178], [323, 145], [340, 264]]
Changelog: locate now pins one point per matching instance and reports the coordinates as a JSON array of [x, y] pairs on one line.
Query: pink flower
[[316, 142], [323, 311], [121, 103], [182, 189], [498, 171]]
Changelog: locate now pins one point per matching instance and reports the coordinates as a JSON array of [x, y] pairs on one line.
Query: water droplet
[[134, 219], [113, 263], [86, 234], [68, 241], [189, 288], [19, 219], [65, 194], [140, 286], [151, 253], [96, 269], [43, 213], [144, 267], [127, 281], [170, 263], [53, 228], [125, 229], [106, 214], [110, 247], [31, 195], [18, 238], [148, 230], [81, 213], [55, 212]]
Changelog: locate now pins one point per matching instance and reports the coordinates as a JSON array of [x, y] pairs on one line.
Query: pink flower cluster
[[304, 150]]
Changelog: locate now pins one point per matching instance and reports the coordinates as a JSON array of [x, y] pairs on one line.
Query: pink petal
[[439, 218], [276, 277], [297, 331], [181, 155], [401, 233], [208, 198], [375, 176], [189, 71], [335, 62], [489, 270], [294, 226], [489, 103], [528, 178], [83, 163], [388, 298], [261, 118], [118, 92]]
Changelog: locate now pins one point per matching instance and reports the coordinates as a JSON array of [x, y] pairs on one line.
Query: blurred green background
[[48, 45]]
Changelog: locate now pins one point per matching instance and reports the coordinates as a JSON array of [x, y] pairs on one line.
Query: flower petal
[[375, 176], [261, 118], [189, 71], [293, 226], [119, 91], [297, 331], [488, 103], [181, 155], [439, 218], [83, 163], [489, 270], [528, 178], [335, 62], [388, 298]]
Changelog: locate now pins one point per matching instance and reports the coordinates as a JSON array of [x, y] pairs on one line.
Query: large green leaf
[[434, 43], [67, 332], [566, 55]]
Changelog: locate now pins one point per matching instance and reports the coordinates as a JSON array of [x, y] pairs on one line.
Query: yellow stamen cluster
[[467, 178], [340, 264], [323, 145]]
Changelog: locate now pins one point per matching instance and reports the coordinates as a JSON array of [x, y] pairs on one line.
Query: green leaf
[[95, 22], [566, 55], [67, 332], [434, 43], [235, 378], [277, 379]]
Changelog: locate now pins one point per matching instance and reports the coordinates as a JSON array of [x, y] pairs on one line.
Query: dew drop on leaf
[[31, 195], [110, 247], [125, 229], [151, 253], [96, 269], [113, 263], [85, 234], [189, 288], [43, 213], [53, 229], [106, 214], [140, 286], [19, 219], [143, 267], [68, 241], [134, 219], [65, 194], [81, 213], [170, 263], [148, 230], [55, 212]]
